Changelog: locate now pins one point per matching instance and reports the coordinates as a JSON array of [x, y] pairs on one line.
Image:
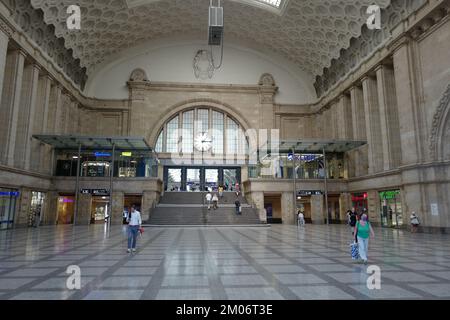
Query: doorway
[[36, 209], [272, 204], [99, 209], [391, 209]]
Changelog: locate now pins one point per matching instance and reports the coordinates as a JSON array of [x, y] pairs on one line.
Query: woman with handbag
[[134, 226], [363, 230]]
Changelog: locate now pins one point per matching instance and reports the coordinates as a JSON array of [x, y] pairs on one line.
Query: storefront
[[66, 207], [8, 200], [304, 202], [359, 201], [99, 209], [36, 209], [97, 163], [391, 209]]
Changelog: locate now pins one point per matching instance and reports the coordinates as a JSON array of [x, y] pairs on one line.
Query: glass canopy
[[87, 142]]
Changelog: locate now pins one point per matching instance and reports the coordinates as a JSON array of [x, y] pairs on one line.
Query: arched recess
[[440, 133], [193, 104]]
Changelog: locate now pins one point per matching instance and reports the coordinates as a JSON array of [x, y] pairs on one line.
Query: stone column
[[58, 121], [317, 209], [345, 203], [372, 114], [407, 103], [344, 118], [117, 207], [50, 211], [10, 105], [388, 117], [373, 203], [267, 90], [84, 209], [45, 150], [258, 200], [22, 214], [358, 119], [149, 199], [5, 33], [287, 208], [30, 106]]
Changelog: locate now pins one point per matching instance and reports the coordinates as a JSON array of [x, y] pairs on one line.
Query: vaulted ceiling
[[310, 33]]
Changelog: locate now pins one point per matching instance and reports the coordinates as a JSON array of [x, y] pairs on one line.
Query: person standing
[[352, 220], [301, 218], [414, 222], [237, 188], [237, 204], [363, 230], [134, 224], [208, 200], [220, 191], [215, 200]]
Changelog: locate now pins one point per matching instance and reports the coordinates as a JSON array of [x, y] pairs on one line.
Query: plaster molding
[[441, 119]]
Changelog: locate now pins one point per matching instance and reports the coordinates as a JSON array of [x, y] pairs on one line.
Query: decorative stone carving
[[361, 46], [440, 136], [267, 80], [310, 32], [31, 21], [203, 65], [139, 75]]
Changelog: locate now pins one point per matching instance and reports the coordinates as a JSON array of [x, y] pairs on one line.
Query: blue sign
[[9, 193], [290, 156], [102, 154]]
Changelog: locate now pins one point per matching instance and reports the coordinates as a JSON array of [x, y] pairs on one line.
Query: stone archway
[[440, 133]]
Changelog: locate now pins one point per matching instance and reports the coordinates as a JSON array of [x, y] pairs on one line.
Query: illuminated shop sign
[[359, 196], [126, 154], [95, 192], [9, 193], [389, 194], [309, 192], [102, 154]]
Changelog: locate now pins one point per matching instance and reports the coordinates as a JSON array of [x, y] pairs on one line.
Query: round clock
[[203, 142]]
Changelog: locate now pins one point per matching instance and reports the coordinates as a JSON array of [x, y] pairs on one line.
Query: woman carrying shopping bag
[[363, 231]]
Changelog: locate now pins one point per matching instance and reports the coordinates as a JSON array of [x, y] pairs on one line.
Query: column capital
[[401, 42]]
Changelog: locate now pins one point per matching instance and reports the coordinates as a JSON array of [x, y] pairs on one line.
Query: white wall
[[171, 61]]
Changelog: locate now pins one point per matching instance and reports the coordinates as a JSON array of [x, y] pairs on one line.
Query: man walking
[[208, 200], [134, 224]]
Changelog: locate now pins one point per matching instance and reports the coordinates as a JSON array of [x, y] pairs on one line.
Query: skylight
[[275, 3], [276, 6]]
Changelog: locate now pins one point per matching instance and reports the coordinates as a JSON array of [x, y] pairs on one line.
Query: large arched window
[[179, 133]]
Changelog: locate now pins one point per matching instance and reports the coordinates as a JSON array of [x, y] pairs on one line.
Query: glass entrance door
[[194, 179], [174, 179], [193, 182], [391, 209], [212, 179]]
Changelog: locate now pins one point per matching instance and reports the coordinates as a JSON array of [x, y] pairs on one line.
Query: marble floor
[[237, 263]]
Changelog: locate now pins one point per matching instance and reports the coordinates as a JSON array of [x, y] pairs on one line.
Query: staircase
[[186, 208]]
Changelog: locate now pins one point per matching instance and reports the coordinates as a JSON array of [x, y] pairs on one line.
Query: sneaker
[[134, 250], [128, 250]]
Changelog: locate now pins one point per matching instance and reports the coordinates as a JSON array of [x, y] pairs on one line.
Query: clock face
[[203, 142]]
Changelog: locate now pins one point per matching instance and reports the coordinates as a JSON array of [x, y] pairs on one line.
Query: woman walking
[[363, 230]]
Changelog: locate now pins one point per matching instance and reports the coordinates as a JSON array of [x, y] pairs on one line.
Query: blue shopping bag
[[354, 251]]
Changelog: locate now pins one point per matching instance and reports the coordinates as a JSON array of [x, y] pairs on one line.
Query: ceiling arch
[[310, 33]]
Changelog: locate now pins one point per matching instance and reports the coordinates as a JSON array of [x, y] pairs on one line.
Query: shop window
[[66, 206]]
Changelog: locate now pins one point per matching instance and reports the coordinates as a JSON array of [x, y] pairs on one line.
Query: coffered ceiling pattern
[[310, 33]]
